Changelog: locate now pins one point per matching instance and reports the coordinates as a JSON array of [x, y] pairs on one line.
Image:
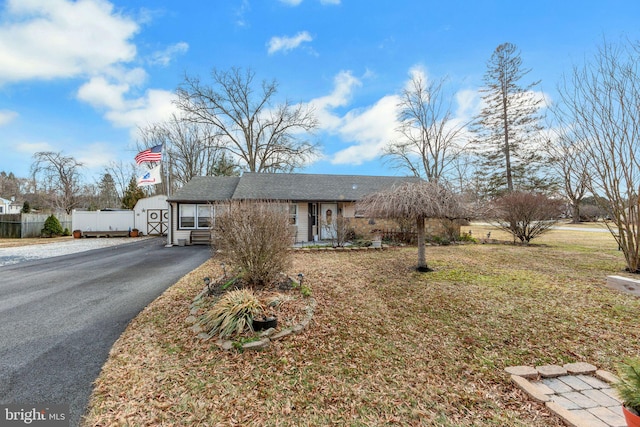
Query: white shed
[[152, 215]]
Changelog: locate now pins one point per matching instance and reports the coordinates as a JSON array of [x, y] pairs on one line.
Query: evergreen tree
[[508, 126], [132, 194], [108, 194]]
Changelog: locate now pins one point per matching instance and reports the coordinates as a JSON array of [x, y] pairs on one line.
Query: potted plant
[[629, 390], [262, 322], [77, 234], [134, 232]]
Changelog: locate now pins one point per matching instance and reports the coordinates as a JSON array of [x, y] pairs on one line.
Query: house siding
[[177, 234], [303, 222]]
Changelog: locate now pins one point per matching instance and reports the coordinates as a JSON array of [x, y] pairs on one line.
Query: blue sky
[[81, 76]]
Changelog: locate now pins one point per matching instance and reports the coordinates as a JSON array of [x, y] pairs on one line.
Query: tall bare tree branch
[[262, 136]]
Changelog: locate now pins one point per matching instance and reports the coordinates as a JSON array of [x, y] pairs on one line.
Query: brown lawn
[[387, 345], [12, 243]]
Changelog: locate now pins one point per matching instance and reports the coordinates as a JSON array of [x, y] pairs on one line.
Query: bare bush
[[526, 215], [254, 237]]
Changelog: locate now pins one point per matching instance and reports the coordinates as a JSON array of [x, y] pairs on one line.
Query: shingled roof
[[284, 186]]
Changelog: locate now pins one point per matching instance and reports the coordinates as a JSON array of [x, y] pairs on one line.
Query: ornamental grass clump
[[233, 313]]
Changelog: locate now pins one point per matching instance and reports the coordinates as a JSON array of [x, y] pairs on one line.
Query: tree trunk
[[422, 258], [575, 212]]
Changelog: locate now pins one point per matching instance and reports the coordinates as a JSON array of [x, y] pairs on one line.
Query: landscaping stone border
[[339, 248], [265, 338], [579, 393]]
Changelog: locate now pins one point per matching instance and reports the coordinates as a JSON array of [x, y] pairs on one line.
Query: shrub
[[526, 215], [233, 313], [52, 227], [629, 385], [254, 237]]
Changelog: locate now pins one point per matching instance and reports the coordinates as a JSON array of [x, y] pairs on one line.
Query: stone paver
[[549, 371], [523, 371], [577, 393], [556, 385], [575, 383], [600, 398], [608, 416], [580, 368], [594, 382]]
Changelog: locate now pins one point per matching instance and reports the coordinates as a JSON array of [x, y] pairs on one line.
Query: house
[[314, 200], [9, 206]]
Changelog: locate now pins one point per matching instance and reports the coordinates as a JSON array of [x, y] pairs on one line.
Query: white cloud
[[100, 93], [155, 106], [366, 130], [33, 147], [469, 103], [286, 44], [95, 155], [113, 95], [164, 57], [45, 39], [371, 128], [7, 116], [329, 2], [344, 84]]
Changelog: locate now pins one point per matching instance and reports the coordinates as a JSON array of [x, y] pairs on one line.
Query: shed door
[[328, 216], [157, 221]]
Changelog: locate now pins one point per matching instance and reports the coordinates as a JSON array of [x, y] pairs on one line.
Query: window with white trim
[[204, 215], [195, 216], [187, 216]]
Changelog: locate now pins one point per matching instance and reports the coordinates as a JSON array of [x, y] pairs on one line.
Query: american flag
[[153, 154]]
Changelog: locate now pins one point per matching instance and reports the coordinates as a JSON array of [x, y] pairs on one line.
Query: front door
[[328, 216]]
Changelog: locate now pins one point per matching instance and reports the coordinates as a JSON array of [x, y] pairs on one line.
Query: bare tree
[[121, 174], [262, 136], [193, 149], [430, 135], [566, 158], [417, 202], [525, 215], [61, 177], [601, 101], [506, 124]]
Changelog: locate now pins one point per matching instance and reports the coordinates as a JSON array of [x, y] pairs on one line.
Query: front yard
[[387, 345]]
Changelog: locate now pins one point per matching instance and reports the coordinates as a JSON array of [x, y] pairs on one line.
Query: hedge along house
[[315, 201]]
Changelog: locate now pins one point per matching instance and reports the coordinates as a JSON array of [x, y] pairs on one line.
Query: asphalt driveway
[[60, 316]]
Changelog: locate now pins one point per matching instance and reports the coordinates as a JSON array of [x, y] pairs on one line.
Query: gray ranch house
[[315, 201]]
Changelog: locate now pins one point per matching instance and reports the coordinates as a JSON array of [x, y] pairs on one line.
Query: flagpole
[[168, 190]]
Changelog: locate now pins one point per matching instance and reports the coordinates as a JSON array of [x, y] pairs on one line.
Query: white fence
[[103, 220]]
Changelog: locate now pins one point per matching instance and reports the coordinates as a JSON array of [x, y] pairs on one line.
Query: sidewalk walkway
[[578, 393]]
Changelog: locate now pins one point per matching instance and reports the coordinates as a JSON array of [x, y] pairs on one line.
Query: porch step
[[200, 237]]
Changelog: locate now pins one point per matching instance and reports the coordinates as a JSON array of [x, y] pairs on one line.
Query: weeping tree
[[417, 202]]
